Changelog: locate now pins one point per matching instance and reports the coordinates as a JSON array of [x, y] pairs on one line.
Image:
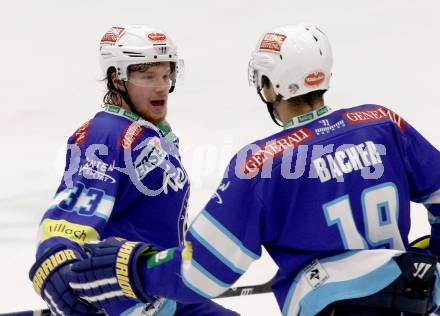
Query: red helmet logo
[[314, 79], [112, 35], [157, 37], [272, 42]]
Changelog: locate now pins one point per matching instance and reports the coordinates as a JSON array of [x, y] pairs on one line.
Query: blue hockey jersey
[[123, 178], [329, 199]]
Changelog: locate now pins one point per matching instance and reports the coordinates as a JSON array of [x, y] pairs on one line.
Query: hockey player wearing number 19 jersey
[[328, 197]]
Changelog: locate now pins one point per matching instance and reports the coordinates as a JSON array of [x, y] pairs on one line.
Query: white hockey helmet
[[126, 45], [297, 59]]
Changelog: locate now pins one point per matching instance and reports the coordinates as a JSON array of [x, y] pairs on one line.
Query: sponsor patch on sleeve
[[376, 114], [77, 233], [160, 258], [273, 149]]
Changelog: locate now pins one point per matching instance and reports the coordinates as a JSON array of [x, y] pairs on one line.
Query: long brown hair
[[112, 96]]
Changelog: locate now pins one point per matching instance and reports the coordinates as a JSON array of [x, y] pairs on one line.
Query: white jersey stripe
[[63, 195], [222, 243], [211, 249], [105, 208], [201, 281]]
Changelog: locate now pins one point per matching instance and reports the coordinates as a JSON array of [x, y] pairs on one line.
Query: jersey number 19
[[380, 208]]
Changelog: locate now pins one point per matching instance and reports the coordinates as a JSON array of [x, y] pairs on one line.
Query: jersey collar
[[162, 128], [308, 117]]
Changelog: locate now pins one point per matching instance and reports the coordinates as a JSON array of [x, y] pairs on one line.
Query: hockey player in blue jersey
[[123, 176], [328, 197]]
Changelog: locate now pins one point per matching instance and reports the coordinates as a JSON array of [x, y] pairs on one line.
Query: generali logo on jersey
[[157, 37], [379, 113], [274, 149], [130, 135], [314, 78], [112, 35], [272, 42]]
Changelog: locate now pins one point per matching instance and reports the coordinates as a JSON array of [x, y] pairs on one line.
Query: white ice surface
[[385, 52]]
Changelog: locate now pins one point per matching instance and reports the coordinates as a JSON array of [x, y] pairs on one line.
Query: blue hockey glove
[[110, 274], [48, 275]]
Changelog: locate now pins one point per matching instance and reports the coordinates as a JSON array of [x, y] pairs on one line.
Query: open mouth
[[157, 102]]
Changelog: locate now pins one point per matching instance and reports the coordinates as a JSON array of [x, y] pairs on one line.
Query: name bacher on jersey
[[349, 159]]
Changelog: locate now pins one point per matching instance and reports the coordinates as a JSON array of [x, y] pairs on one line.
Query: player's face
[[148, 91]]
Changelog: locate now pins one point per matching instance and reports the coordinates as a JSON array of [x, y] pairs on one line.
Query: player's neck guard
[[307, 117]]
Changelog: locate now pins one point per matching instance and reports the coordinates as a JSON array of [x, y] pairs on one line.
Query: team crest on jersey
[[81, 133], [274, 149], [272, 42], [377, 114]]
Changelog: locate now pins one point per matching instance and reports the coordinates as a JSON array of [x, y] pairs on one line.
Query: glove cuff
[[50, 262], [127, 273]]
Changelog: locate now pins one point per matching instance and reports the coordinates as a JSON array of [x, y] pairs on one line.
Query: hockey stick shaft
[[232, 292], [248, 290]]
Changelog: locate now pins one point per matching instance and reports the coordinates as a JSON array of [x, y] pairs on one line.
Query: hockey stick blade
[[233, 291]]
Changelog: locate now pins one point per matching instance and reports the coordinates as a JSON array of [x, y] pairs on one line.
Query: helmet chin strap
[[270, 107]]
